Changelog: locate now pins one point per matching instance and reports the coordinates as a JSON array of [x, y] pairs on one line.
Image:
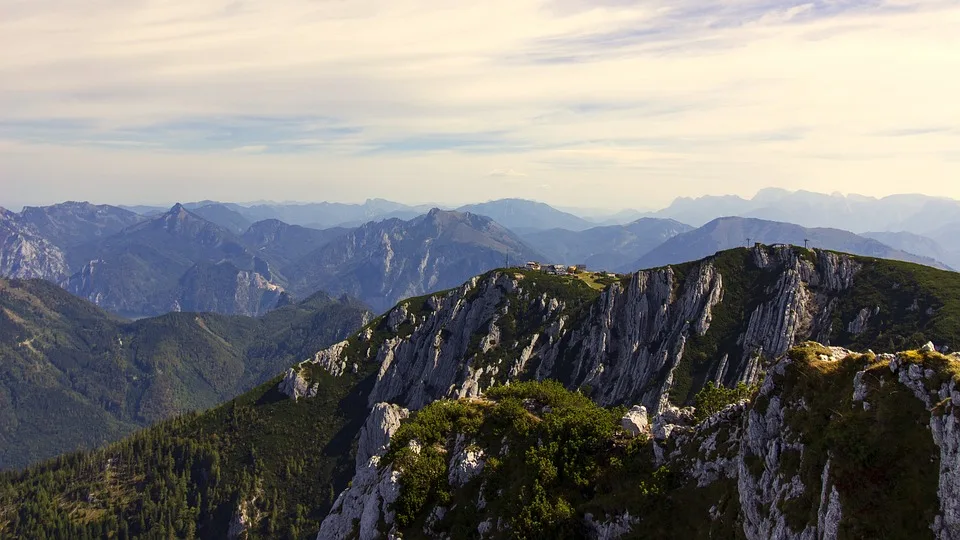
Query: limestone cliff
[[654, 337]]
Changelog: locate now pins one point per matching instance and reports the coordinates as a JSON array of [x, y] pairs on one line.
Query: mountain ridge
[[605, 247], [728, 232], [282, 452], [383, 262]]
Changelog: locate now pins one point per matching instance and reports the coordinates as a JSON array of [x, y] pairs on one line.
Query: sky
[[586, 103]]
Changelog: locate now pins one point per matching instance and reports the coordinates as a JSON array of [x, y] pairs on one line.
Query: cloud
[[250, 149], [617, 102], [912, 132], [505, 172]]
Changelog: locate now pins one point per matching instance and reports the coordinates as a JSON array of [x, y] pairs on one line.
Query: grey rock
[[382, 422], [373, 490], [611, 528], [635, 421], [467, 462], [294, 385], [859, 325]]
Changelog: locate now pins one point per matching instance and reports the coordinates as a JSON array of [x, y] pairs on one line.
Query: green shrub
[[712, 398]]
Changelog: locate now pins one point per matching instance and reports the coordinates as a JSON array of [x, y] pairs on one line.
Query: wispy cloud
[[408, 98], [250, 149], [506, 173], [912, 132]]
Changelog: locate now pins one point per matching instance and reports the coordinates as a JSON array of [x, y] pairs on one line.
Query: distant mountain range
[[524, 216], [322, 215], [237, 259], [165, 263], [605, 248], [919, 214], [139, 266], [383, 262], [731, 232], [73, 375], [519, 215]]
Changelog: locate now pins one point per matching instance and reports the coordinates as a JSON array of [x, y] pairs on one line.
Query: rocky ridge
[[629, 343]]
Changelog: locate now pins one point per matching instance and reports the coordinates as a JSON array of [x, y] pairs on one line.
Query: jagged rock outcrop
[[626, 345], [635, 421], [245, 516], [858, 325], [467, 462], [375, 434], [357, 512], [611, 529], [296, 386], [943, 399], [765, 439]]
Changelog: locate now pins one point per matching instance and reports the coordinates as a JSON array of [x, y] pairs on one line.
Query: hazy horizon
[[583, 211]]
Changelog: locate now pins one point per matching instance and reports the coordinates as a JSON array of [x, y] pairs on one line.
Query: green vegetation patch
[[551, 457], [712, 398], [884, 463], [917, 304]]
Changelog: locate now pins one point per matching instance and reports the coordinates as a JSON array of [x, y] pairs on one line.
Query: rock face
[[467, 462], [295, 385], [245, 516], [635, 421], [223, 288], [25, 254], [383, 420], [384, 262], [357, 512], [626, 344]]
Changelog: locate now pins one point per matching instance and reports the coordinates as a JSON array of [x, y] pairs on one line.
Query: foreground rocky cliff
[[834, 444], [650, 338]]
